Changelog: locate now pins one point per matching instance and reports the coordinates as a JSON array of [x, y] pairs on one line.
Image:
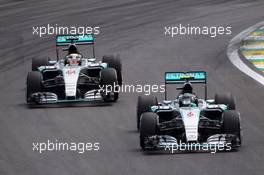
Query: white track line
[[232, 53]]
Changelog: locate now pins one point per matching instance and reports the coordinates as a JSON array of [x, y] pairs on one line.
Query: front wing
[[215, 143], [52, 98]]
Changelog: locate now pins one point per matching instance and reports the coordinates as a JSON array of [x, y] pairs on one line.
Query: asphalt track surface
[[135, 30]]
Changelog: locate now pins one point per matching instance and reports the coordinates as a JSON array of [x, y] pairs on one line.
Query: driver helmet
[[73, 59], [187, 88], [188, 100], [72, 49]]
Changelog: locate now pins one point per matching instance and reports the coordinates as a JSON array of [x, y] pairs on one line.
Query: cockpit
[[188, 100]]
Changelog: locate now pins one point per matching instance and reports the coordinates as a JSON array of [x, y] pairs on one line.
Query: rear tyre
[[108, 78], [114, 62], [37, 62], [148, 126], [231, 123], [144, 104], [34, 84], [226, 99]]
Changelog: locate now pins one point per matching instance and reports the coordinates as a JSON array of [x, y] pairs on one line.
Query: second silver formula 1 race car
[[74, 77], [187, 119]]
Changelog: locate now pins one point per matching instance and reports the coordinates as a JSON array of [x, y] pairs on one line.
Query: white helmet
[[73, 59]]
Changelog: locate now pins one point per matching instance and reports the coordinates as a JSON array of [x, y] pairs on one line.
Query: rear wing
[[183, 77], [65, 40]]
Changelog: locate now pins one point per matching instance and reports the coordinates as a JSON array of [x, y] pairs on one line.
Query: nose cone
[[190, 117], [71, 76]]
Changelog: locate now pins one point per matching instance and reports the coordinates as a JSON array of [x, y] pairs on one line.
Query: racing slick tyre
[[226, 99], [148, 126], [37, 62], [108, 79], [114, 62], [144, 104], [34, 84], [231, 124]]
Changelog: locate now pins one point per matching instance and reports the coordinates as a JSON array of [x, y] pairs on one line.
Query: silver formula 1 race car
[[188, 120], [74, 77]]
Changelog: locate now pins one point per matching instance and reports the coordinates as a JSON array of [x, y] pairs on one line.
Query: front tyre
[[114, 62], [144, 105], [231, 125], [108, 81], [34, 84], [148, 127]]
